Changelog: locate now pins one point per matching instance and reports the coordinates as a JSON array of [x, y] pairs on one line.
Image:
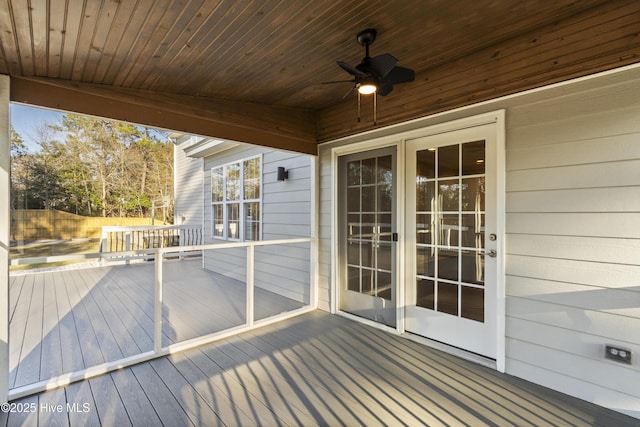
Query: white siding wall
[[573, 244], [286, 214], [325, 231], [188, 188], [573, 235]]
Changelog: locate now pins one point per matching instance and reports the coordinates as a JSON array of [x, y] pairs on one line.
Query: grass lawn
[[51, 248]]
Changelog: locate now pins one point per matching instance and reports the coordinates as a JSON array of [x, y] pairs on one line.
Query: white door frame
[[398, 140]]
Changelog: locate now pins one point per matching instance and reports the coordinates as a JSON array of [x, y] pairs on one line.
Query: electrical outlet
[[622, 355]]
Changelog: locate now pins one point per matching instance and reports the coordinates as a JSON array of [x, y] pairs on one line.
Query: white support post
[[314, 253], [157, 313], [250, 285], [5, 234]]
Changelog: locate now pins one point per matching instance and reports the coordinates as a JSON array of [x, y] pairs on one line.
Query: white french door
[[367, 234], [450, 237]]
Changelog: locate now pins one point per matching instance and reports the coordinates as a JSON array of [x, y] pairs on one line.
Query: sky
[[26, 119]]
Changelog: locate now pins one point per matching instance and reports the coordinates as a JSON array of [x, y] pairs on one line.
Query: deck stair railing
[[134, 238]]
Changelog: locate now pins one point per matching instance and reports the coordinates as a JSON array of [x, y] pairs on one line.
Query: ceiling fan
[[375, 75]]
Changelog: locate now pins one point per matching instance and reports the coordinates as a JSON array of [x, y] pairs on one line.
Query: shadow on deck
[[315, 369]]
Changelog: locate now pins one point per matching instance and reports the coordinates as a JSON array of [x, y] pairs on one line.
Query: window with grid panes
[[236, 200]]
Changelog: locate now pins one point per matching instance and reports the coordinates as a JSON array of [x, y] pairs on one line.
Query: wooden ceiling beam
[[284, 128]]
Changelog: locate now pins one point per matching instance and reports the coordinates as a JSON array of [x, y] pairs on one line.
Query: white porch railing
[[159, 254], [131, 238]]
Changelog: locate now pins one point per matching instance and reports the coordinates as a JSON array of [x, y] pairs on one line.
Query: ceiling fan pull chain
[[375, 108], [358, 107]]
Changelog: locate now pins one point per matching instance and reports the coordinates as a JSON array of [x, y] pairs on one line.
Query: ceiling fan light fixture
[[368, 86]]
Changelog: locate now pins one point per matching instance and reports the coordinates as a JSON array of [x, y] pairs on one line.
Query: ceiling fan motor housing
[[367, 37]]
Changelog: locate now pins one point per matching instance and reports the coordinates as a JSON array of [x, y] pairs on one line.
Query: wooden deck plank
[[71, 356], [81, 406], [52, 408], [51, 362], [18, 325], [136, 276], [109, 406], [328, 407], [319, 369], [105, 313], [107, 339], [217, 399], [165, 404], [196, 408], [136, 403], [87, 338], [505, 398], [461, 375], [351, 387], [28, 371], [204, 291], [115, 340], [28, 417], [290, 399], [16, 285], [315, 369], [383, 406], [367, 359], [138, 325], [255, 410], [138, 321], [357, 356]]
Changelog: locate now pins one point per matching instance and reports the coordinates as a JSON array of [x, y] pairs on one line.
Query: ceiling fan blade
[[349, 93], [349, 69], [381, 65], [385, 89], [400, 75]]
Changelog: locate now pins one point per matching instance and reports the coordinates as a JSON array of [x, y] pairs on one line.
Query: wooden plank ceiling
[[252, 70]]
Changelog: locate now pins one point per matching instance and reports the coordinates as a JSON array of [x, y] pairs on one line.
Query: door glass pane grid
[[450, 188], [369, 215]]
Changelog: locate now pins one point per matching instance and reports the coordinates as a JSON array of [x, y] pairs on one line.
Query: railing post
[[157, 314], [250, 284], [103, 243], [127, 245]]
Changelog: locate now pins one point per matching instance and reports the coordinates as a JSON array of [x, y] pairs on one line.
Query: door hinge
[[394, 237]]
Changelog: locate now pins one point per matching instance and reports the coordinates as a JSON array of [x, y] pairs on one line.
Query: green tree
[[19, 171], [99, 166]]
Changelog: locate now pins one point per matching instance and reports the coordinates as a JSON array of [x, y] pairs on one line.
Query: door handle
[[492, 253]]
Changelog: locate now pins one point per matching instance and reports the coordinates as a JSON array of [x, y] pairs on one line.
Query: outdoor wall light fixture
[[282, 173]]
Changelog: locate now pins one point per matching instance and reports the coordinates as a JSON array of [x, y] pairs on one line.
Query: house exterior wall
[[573, 243], [286, 214], [572, 234], [188, 179]]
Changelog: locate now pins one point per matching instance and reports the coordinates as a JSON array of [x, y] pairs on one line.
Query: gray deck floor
[[69, 320], [315, 369]]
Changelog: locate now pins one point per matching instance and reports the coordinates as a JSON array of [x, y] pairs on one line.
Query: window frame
[[241, 200]]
